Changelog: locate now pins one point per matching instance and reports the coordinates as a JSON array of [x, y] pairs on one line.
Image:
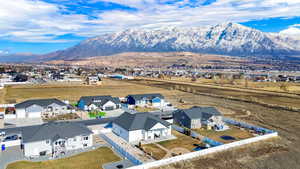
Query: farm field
[[73, 92], [87, 160]]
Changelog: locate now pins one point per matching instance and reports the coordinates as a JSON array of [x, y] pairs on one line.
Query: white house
[[49, 138], [40, 107], [140, 127]]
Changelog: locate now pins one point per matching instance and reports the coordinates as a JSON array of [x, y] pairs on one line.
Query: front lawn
[[87, 160], [96, 114]]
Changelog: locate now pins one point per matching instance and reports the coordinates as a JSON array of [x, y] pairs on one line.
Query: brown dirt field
[[156, 152], [74, 92]]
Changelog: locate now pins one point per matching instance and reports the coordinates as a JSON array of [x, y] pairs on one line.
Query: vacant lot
[[88, 160], [235, 132], [74, 92]]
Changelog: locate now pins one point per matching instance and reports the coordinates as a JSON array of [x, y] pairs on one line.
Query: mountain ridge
[[224, 39]]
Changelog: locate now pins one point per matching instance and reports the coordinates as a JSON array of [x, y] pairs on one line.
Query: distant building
[[154, 100], [141, 127], [93, 80], [197, 117], [106, 103]]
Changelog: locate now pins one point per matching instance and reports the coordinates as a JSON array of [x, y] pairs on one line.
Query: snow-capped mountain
[[228, 39]]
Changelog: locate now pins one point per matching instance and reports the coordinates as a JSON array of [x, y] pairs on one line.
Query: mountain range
[[222, 39]]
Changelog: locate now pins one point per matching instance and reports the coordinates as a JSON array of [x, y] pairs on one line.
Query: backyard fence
[[122, 151], [177, 128], [194, 134], [204, 152], [248, 126]]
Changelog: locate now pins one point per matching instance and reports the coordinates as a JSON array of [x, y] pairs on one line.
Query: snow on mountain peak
[[226, 38]]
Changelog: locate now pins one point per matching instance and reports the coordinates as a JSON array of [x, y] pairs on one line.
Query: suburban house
[[154, 100], [105, 103], [40, 107], [51, 138], [140, 127], [93, 80], [197, 117]]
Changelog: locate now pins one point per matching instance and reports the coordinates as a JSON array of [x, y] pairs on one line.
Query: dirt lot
[[235, 132], [74, 92], [155, 151]]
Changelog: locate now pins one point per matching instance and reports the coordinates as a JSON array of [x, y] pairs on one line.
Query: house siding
[[34, 148]]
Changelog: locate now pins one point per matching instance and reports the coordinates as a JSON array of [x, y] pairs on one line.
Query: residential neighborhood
[[130, 133]]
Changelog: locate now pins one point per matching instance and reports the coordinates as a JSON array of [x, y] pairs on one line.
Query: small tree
[[101, 114]]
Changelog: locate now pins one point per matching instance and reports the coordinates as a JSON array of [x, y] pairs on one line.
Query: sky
[[43, 26]]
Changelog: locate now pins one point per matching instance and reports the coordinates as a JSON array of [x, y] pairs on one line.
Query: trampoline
[[227, 137]]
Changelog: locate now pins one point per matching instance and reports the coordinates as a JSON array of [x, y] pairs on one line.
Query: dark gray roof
[[148, 96], [103, 99], [138, 121], [41, 102], [49, 131], [203, 113]]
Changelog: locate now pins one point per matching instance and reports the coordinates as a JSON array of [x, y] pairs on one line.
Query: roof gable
[[203, 113], [147, 96], [139, 121], [41, 102]]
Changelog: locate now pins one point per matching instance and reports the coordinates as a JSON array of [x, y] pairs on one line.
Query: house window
[[84, 145], [74, 139], [85, 138], [47, 141]]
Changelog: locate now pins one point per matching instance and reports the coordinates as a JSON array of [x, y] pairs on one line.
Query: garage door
[[109, 108]]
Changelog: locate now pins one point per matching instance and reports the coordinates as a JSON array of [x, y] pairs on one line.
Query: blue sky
[[42, 26]]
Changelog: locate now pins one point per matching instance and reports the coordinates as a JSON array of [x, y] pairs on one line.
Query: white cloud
[[38, 21], [293, 30]]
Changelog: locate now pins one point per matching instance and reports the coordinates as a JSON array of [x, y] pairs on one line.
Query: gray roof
[[103, 99], [148, 96], [203, 113], [49, 131], [41, 102], [138, 121]]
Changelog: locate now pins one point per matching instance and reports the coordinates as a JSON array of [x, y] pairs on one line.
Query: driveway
[[11, 154]]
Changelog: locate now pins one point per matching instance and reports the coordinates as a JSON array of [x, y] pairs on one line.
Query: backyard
[[155, 151], [230, 135], [88, 160]]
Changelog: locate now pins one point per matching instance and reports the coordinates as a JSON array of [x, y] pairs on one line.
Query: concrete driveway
[[11, 154]]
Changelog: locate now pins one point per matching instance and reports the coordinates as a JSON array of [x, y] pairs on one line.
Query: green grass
[[96, 114], [87, 160]]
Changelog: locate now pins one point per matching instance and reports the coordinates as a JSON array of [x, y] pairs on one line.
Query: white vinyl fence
[[204, 152]]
